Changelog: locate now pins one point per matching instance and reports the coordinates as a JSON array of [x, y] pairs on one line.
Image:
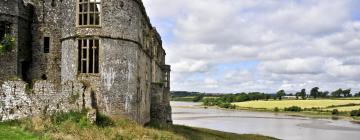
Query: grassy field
[[74, 126], [322, 104]]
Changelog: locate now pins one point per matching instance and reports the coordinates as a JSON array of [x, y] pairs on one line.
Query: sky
[[233, 46]]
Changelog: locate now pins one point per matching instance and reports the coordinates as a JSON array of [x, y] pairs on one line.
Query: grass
[[74, 126], [8, 132], [322, 104]]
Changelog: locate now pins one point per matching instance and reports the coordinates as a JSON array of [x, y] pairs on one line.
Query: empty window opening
[[46, 44], [88, 55], [4, 29], [53, 3], [89, 12], [44, 77], [25, 66]]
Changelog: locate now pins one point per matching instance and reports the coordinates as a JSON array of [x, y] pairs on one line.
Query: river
[[269, 124]]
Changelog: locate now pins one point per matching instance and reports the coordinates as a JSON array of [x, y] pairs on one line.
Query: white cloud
[[295, 44]]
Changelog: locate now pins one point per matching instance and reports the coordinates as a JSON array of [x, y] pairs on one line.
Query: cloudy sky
[[235, 46]]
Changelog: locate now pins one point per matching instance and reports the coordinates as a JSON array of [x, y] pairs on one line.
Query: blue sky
[[234, 46]]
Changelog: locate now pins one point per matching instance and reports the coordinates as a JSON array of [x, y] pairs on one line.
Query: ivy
[[7, 44]]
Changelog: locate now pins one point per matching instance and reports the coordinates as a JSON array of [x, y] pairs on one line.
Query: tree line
[[316, 93]]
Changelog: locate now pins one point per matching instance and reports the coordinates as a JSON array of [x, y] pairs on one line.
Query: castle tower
[[111, 47]]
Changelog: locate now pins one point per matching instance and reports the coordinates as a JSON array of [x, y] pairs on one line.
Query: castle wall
[[18, 101], [17, 16], [131, 57], [47, 23]]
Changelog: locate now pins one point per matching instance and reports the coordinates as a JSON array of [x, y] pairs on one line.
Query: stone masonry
[[102, 55]]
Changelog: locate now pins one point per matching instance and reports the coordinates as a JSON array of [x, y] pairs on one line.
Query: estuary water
[[269, 124]]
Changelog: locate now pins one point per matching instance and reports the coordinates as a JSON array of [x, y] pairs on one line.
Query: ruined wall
[[17, 101]]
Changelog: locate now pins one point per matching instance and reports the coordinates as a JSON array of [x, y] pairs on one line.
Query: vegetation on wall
[[7, 44]]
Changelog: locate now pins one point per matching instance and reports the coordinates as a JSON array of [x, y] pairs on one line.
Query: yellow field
[[301, 103]]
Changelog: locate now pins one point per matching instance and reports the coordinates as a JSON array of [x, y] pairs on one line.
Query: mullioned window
[[88, 55], [89, 12]]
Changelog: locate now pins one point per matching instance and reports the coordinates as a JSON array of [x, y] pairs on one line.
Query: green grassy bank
[[74, 126]]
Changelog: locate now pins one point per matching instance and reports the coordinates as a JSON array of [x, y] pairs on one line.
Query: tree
[[337, 93], [267, 97], [347, 93], [357, 94], [325, 94], [280, 94], [297, 94], [303, 94], [314, 92]]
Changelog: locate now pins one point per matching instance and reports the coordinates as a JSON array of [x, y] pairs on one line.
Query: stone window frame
[[78, 13], [94, 68]]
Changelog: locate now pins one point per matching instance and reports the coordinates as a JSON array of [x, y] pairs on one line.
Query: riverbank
[[263, 123], [306, 114], [75, 126], [329, 109]]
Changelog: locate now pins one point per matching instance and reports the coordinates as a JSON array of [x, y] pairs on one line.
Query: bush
[[276, 109], [335, 112], [103, 120], [6, 44], [293, 109], [355, 113], [227, 105], [198, 98]]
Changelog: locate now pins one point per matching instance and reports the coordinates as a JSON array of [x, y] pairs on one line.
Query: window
[[89, 12], [88, 55], [46, 44], [167, 79], [4, 29]]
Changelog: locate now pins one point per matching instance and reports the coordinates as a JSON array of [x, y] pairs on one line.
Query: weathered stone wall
[[18, 101], [125, 57], [47, 23], [160, 106], [17, 15]]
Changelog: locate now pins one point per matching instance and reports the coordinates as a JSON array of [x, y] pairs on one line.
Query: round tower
[[109, 46]]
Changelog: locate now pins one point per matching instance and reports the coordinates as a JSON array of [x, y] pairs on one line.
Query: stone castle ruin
[[102, 55]]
